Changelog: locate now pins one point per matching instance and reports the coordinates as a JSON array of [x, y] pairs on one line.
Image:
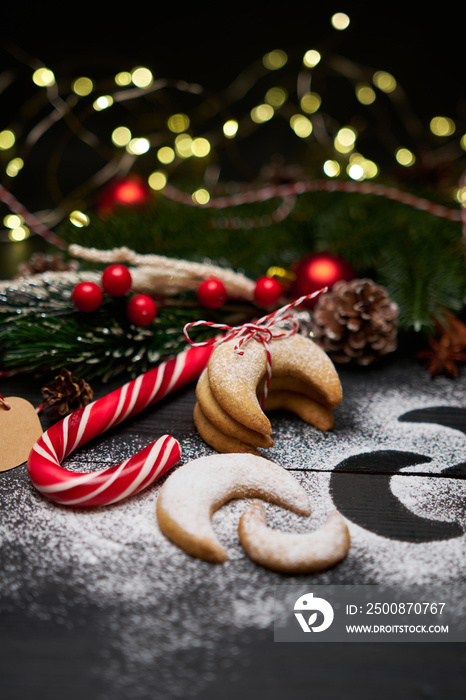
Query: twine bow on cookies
[[275, 325]]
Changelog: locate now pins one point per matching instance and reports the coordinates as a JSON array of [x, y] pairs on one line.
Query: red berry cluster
[[116, 281], [212, 292]]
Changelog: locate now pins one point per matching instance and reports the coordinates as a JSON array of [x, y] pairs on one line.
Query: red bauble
[[320, 270], [116, 280], [131, 191], [141, 310], [87, 296], [267, 291], [212, 293]]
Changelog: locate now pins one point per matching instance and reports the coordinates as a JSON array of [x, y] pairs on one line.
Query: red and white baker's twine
[[277, 324], [108, 486]]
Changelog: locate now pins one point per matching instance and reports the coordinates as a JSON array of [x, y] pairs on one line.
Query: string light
[[18, 234], [345, 139], [340, 21], [79, 219], [201, 196], [405, 157], [276, 96], [138, 146], [200, 147], [157, 180], [230, 128], [82, 86], [165, 126], [384, 81], [331, 168], [123, 79], [142, 77], [301, 125], [310, 102], [262, 113], [7, 139], [13, 221], [274, 60], [43, 77], [166, 155], [365, 94], [121, 136], [14, 166], [442, 126], [311, 58], [178, 123], [103, 102], [184, 145]]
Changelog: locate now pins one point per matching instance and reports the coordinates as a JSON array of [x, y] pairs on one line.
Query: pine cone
[[41, 262], [65, 395], [355, 322]]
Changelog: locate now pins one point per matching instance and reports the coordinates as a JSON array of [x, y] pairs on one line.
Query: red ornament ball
[[116, 280], [141, 310], [267, 291], [320, 270], [87, 296], [212, 293]]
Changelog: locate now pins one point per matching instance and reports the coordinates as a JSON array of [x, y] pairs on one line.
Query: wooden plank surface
[[100, 604]]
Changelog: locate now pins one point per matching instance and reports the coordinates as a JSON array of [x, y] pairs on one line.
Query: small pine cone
[[355, 322], [41, 262], [65, 395]]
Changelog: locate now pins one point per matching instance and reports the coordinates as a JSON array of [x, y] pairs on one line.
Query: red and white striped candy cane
[[107, 486]]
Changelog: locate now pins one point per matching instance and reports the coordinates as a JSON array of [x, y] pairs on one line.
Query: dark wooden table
[[98, 604]]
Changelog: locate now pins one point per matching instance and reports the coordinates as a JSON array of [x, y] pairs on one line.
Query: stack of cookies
[[228, 413]]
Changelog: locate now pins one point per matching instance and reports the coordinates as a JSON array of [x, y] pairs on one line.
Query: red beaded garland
[[87, 296], [116, 280], [212, 293], [141, 310], [267, 291]]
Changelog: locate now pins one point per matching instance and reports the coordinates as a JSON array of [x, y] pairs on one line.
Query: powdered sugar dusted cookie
[[216, 439], [224, 423], [307, 409], [289, 552], [234, 378], [192, 493]]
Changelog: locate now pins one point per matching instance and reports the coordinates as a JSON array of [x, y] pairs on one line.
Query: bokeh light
[[274, 60], [442, 126], [201, 196], [43, 77], [82, 86], [7, 139], [340, 21], [310, 102], [311, 58], [384, 81], [157, 180], [79, 219]]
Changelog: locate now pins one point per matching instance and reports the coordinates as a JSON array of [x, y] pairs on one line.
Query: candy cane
[[107, 486]]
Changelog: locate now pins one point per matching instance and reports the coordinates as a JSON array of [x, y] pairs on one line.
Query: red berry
[[141, 310], [116, 280], [267, 291], [87, 296], [212, 293]]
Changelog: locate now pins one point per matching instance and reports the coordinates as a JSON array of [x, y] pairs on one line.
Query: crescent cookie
[[234, 378], [289, 552], [215, 438], [191, 494], [305, 408], [224, 423]]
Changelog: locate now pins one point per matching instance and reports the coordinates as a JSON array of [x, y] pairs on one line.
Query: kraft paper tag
[[19, 429]]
